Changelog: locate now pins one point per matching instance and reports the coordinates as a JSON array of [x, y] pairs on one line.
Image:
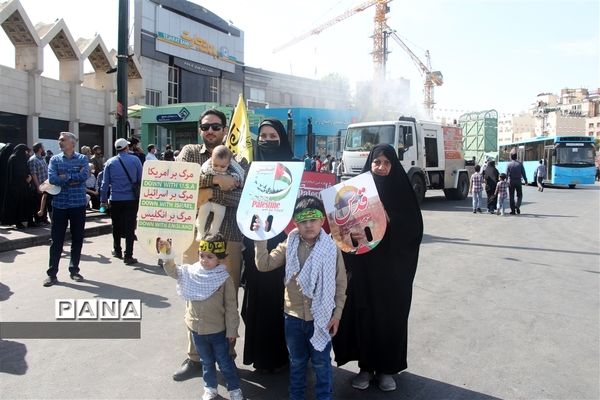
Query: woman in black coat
[[18, 197], [262, 307], [374, 324], [5, 154]]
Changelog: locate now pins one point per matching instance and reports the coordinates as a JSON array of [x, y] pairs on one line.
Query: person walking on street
[[69, 170], [515, 173], [540, 174], [490, 178], [122, 173], [501, 193], [476, 189], [39, 173]]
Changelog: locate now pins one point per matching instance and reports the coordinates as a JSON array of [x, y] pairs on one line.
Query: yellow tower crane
[[432, 78], [378, 53]]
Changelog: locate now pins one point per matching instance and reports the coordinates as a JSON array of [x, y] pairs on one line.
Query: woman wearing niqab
[[18, 197], [262, 306], [374, 325]]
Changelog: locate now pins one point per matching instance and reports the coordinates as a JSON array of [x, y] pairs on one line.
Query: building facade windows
[[173, 85], [214, 89], [153, 97], [258, 95]]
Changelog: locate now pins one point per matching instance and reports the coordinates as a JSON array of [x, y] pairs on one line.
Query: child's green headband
[[308, 214]]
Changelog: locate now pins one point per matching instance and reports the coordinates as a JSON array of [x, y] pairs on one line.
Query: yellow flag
[[239, 140]]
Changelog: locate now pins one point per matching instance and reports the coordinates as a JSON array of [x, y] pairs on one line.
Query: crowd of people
[[502, 186], [329, 164], [302, 297], [23, 171]]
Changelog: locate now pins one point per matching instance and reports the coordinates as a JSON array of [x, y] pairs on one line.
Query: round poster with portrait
[[353, 206]]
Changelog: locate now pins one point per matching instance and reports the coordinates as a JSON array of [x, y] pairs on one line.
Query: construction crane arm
[[325, 25], [424, 69]]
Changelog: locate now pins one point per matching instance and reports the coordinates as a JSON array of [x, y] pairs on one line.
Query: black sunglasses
[[214, 127]]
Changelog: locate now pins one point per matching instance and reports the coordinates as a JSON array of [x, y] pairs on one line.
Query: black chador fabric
[[5, 153], [262, 311], [374, 324], [18, 197], [262, 306]]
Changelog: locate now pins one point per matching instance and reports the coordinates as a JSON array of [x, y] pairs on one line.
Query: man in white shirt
[[151, 152]]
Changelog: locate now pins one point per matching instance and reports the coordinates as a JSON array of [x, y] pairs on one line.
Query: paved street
[[503, 307]]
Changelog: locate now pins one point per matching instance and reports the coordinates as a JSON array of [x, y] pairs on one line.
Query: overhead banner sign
[[168, 202], [190, 40]]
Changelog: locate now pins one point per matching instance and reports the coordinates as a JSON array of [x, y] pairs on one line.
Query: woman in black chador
[[262, 307], [18, 196], [373, 329], [5, 154]]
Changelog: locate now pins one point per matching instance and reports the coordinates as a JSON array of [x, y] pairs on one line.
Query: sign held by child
[[167, 208]]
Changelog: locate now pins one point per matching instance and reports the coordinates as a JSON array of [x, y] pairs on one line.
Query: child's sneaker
[[236, 394], [210, 393]]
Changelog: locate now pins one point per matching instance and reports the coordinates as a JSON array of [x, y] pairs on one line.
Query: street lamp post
[[122, 59]]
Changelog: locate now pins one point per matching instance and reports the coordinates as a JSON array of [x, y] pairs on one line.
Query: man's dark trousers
[[61, 217], [512, 187], [123, 215]]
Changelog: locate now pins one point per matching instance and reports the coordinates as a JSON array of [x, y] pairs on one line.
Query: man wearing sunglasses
[[224, 190]]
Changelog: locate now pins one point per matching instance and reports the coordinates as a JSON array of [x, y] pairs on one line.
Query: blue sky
[[493, 53]]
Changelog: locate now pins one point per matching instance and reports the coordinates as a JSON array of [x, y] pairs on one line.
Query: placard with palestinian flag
[[354, 206], [269, 197]]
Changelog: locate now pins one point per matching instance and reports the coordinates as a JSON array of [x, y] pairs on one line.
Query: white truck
[[431, 153]]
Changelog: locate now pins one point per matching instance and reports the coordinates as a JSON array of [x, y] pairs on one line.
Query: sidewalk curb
[[96, 227]]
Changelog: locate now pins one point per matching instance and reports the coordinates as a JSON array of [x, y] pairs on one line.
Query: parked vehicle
[[431, 153]]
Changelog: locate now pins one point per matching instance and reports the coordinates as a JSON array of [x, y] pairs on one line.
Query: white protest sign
[[167, 208], [269, 197]]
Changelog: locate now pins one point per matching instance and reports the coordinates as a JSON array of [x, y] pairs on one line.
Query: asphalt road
[[503, 307]]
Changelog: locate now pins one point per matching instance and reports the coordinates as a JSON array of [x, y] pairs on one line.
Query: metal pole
[[122, 58], [309, 138], [290, 130]]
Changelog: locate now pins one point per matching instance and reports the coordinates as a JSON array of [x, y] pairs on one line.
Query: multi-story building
[[574, 112], [181, 53], [515, 127], [34, 108], [565, 114], [593, 126]]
